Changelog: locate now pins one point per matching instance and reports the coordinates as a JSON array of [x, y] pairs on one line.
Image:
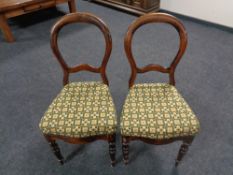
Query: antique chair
[[155, 112], [83, 111]]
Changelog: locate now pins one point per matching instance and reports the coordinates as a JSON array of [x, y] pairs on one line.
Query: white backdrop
[[215, 11]]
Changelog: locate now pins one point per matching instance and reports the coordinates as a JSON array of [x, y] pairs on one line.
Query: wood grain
[[91, 19], [6, 29], [146, 19], [155, 18], [139, 7], [13, 8], [81, 18]]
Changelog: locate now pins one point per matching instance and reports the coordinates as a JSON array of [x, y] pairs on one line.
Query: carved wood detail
[[125, 149], [133, 6], [82, 18], [145, 19]]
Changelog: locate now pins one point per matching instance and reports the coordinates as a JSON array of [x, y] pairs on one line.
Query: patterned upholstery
[[157, 111], [80, 110]]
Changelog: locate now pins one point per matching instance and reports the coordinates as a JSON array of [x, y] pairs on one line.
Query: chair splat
[[81, 18], [155, 18]]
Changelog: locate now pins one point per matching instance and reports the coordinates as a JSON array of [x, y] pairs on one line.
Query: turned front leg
[[125, 150], [183, 150], [56, 151], [112, 149]]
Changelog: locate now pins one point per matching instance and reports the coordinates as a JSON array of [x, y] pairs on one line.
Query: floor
[[30, 78]]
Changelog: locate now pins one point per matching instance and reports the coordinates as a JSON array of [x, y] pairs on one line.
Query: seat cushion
[[157, 111], [81, 109]]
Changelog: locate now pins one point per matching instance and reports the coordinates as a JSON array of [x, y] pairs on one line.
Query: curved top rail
[[81, 18], [155, 18]]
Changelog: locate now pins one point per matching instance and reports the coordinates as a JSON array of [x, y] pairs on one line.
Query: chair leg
[[125, 150], [112, 149], [72, 6], [183, 150], [56, 151]]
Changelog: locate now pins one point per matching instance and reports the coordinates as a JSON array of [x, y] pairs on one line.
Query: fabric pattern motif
[[81, 109], [157, 111]]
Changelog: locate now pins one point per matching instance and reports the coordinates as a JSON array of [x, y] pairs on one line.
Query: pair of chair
[[84, 111]]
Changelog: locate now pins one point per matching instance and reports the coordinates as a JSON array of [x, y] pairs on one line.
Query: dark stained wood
[[85, 140], [91, 19], [125, 149], [112, 149], [56, 151], [183, 149], [12, 8], [157, 141], [139, 7], [155, 18], [82, 18]]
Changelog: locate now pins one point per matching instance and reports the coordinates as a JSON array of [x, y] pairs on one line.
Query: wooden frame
[[81, 18], [11, 9], [155, 18]]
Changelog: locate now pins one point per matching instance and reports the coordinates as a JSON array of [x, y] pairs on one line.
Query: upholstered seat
[[157, 111], [81, 109]]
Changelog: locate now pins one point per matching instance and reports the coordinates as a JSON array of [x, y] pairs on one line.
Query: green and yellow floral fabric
[[157, 111], [81, 109]]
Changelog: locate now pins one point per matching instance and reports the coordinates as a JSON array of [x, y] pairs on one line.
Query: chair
[[155, 112], [83, 111]]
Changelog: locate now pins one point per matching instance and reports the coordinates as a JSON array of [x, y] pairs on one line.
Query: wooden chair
[[83, 111], [155, 112]]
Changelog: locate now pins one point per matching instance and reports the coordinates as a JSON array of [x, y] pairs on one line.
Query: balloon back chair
[[155, 112], [83, 111]]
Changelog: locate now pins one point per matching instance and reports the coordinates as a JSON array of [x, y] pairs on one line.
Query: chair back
[[155, 18], [81, 18]]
